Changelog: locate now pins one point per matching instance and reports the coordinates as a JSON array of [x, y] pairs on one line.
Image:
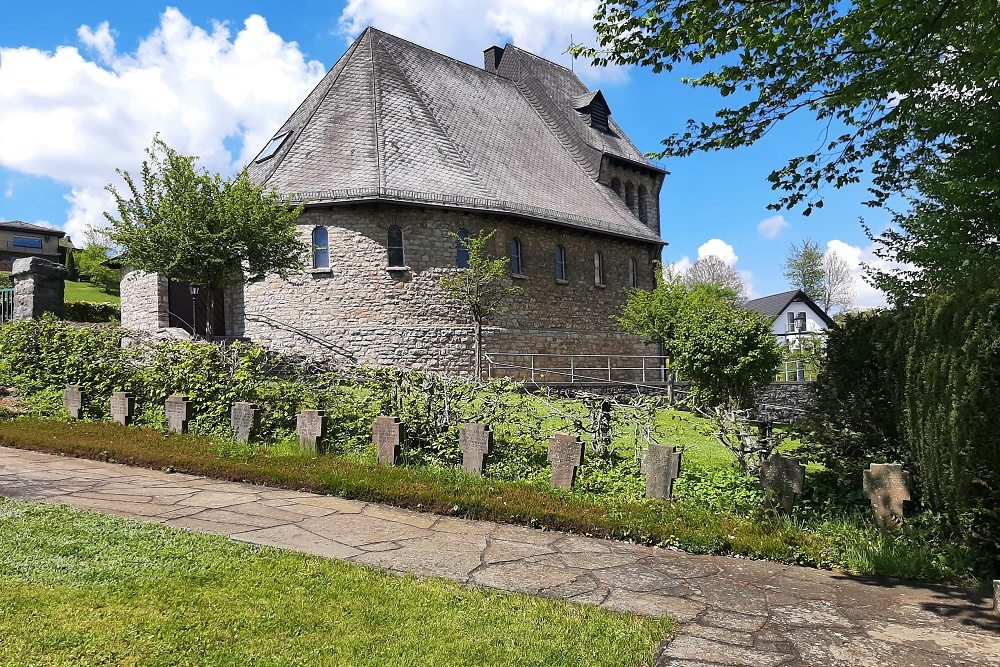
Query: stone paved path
[[730, 611]]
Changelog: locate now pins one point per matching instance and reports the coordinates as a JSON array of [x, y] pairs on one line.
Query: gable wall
[[814, 323], [404, 318]]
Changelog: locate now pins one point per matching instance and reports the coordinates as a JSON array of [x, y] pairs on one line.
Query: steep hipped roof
[[19, 226], [395, 121], [773, 305]]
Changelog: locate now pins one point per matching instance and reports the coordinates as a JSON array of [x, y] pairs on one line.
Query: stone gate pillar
[[39, 287]]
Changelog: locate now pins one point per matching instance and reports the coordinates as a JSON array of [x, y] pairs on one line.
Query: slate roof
[[394, 121], [773, 305], [20, 226]]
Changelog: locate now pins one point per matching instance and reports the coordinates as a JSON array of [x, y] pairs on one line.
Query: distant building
[[22, 239], [792, 314], [398, 151]]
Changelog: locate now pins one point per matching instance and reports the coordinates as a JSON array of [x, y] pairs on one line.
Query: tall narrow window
[[616, 185], [461, 250], [598, 268], [630, 198], [394, 245], [560, 263], [633, 277], [515, 257], [321, 248], [643, 204]]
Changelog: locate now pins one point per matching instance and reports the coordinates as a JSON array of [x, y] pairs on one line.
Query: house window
[[643, 203], [394, 244], [630, 198], [796, 321], [461, 250], [272, 147], [598, 268], [321, 248], [515, 256], [26, 242], [633, 278], [561, 263]]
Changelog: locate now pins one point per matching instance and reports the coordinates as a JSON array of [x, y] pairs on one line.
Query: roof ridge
[[535, 55], [474, 68]]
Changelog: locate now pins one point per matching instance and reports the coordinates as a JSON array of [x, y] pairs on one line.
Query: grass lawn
[[89, 292], [78, 588]]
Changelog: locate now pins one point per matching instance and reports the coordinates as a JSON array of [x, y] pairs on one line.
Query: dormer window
[[595, 110], [272, 147]]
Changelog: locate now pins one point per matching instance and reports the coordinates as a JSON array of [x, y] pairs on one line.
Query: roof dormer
[[594, 109]]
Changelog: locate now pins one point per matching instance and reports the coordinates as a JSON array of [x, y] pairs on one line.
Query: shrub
[[6, 281], [91, 311]]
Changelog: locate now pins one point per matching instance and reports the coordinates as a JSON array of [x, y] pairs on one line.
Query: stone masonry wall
[[144, 301], [618, 176], [403, 318]]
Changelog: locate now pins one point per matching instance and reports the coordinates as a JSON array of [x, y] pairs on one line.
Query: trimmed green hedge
[[91, 311]]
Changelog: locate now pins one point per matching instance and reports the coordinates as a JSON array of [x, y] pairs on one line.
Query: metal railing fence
[[6, 305]]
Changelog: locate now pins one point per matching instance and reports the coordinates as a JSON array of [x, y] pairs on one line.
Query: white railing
[[794, 371], [576, 368]]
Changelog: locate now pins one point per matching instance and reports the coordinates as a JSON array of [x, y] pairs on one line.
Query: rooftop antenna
[[572, 56]]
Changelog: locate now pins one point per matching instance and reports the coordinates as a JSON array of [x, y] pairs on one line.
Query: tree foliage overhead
[[895, 81]]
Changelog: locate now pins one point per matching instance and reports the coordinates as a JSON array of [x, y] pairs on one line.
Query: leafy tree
[[838, 283], [196, 227], [803, 268], [90, 262], [894, 82], [654, 314], [713, 270], [483, 287], [72, 271]]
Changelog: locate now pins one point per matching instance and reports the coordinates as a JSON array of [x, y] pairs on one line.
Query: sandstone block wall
[[144, 301]]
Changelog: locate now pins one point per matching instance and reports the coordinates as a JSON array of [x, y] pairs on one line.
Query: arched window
[[461, 249], [630, 198], [394, 244], [515, 256], [633, 277], [616, 185], [560, 263], [321, 248], [598, 268], [643, 203]]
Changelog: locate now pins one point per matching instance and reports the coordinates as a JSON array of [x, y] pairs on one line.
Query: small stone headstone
[[73, 400], [123, 407], [178, 409], [781, 478], [996, 596], [311, 427], [566, 455], [476, 442], [887, 485], [245, 419], [661, 465], [387, 433]]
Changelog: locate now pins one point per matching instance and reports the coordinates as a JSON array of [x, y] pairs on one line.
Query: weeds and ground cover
[[717, 511], [78, 588]]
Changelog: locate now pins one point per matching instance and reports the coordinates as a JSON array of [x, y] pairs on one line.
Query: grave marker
[[887, 485], [476, 442], [311, 427], [781, 478], [245, 419], [73, 400], [566, 455], [178, 409], [123, 407], [387, 434], [661, 465]]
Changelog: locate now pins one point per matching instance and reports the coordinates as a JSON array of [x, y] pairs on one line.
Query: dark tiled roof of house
[[20, 226], [773, 305], [395, 121]]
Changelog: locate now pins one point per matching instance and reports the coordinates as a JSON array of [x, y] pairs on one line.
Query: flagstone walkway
[[730, 611]]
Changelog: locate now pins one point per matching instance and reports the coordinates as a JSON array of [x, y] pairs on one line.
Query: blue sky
[[76, 102]]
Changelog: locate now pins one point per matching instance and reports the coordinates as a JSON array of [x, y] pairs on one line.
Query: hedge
[[91, 311]]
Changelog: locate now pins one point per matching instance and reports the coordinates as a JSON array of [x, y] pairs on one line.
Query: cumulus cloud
[[857, 258], [74, 119], [771, 227], [720, 249], [544, 27]]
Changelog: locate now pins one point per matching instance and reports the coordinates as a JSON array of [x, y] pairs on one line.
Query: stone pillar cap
[[38, 266]]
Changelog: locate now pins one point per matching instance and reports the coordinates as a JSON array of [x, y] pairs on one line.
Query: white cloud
[[857, 258], [462, 29], [71, 119], [8, 190], [771, 227], [720, 249]]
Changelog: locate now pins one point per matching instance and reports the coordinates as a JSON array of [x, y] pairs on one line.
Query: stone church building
[[398, 148]]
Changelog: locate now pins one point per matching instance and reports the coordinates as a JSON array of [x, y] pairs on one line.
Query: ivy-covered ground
[[78, 588]]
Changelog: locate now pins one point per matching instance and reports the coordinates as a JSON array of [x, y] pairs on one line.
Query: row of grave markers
[[885, 484]]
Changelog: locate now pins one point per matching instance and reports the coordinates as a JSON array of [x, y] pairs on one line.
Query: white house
[[793, 314]]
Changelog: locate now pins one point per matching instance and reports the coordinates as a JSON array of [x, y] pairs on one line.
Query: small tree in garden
[[197, 227], [654, 314], [90, 264], [482, 288]]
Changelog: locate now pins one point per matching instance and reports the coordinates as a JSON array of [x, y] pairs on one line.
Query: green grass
[[88, 292], [78, 588]]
